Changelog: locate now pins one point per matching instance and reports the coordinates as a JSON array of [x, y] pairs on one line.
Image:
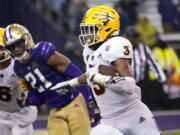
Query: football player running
[[13, 119], [43, 67], [118, 97]]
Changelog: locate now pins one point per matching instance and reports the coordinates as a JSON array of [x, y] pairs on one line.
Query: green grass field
[[172, 133]]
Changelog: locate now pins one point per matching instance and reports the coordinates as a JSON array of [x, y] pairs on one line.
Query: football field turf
[[172, 133]]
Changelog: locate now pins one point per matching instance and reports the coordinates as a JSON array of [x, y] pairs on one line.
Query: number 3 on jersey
[[126, 50], [30, 77], [98, 89]]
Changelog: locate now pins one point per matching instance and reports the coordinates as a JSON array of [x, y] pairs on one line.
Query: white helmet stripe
[[8, 34]]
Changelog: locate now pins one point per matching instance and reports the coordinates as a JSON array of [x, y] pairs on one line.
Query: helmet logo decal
[[107, 16]]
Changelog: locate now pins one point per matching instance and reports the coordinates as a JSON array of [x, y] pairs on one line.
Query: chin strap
[[6, 56]]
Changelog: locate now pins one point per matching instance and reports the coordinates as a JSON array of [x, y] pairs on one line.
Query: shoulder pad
[[118, 47]]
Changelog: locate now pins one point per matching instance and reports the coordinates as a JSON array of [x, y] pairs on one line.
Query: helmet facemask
[[4, 55], [21, 44], [89, 34]]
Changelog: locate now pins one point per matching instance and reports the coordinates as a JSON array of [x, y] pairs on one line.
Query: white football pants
[[135, 121], [19, 123]]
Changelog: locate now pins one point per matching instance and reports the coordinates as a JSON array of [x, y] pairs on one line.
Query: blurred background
[[157, 22]]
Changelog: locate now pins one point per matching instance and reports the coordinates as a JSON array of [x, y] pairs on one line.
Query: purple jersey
[[42, 77]]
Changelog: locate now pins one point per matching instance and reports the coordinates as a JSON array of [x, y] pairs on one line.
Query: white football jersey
[[8, 89], [109, 102]]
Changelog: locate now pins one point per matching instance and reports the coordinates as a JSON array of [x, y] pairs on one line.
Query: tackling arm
[[71, 83], [62, 64]]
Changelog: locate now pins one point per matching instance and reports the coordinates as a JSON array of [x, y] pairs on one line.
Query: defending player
[[118, 97], [12, 117], [43, 67]]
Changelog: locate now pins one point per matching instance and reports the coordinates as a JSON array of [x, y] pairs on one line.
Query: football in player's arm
[[13, 118], [117, 95], [43, 67]]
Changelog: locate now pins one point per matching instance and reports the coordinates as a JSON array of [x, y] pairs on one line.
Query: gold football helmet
[[4, 55], [16, 32], [98, 24], [17, 35], [1, 36]]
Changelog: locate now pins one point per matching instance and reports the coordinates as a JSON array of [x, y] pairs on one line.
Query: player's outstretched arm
[[71, 83], [63, 65]]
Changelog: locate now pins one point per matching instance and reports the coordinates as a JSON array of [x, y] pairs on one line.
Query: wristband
[[74, 82], [101, 79]]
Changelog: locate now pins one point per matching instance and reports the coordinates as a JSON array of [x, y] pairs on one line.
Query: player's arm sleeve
[[45, 50], [72, 71]]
